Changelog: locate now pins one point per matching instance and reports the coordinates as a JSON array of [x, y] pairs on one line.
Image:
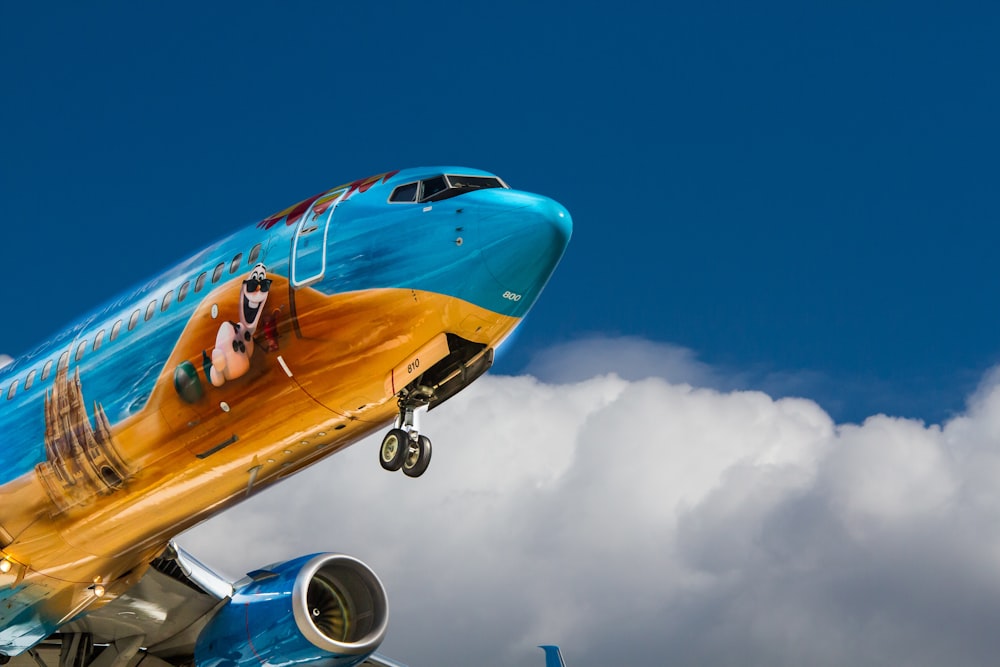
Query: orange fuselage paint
[[323, 388]]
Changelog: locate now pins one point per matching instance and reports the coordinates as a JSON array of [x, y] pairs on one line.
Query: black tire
[[395, 446], [418, 458]]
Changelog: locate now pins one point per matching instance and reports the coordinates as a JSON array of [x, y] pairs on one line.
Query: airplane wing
[[156, 622]]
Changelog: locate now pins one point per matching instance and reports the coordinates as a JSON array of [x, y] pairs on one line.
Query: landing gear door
[[308, 261]]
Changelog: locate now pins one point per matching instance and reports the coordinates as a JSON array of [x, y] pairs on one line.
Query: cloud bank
[[650, 521]]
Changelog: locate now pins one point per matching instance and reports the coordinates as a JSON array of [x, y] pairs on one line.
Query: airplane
[[553, 656], [364, 306]]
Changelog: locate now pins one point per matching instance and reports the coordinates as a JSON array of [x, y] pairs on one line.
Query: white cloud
[[628, 357], [644, 521]]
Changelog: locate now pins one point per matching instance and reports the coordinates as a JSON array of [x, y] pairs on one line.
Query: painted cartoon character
[[234, 342]]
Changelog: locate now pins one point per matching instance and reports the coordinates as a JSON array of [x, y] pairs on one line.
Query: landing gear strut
[[403, 447]]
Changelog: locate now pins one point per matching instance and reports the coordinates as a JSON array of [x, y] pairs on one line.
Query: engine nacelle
[[326, 610]]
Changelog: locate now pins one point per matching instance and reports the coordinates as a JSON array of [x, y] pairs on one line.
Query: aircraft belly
[[352, 343], [319, 381], [182, 460]]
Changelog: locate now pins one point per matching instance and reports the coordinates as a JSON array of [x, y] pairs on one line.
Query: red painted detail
[[294, 213], [269, 326], [299, 210], [246, 606], [361, 185], [324, 204]]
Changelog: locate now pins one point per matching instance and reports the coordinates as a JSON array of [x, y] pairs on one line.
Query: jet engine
[[326, 610]]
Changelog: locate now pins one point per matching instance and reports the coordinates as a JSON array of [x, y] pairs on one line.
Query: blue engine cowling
[[324, 610]]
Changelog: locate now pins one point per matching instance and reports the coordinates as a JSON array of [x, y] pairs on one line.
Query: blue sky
[[793, 197], [782, 188]]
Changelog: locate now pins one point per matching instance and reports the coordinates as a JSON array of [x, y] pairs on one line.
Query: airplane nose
[[522, 245]]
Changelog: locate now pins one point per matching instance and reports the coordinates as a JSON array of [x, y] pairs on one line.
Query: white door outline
[[309, 227]]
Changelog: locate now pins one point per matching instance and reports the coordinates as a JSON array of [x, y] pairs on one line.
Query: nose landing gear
[[403, 447], [418, 457], [395, 447]]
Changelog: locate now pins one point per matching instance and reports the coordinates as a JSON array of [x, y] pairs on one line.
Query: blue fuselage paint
[[493, 248]]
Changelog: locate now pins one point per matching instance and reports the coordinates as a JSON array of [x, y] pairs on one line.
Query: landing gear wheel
[[418, 457], [394, 449]]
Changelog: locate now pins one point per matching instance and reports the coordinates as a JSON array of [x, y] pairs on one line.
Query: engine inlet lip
[[300, 606]]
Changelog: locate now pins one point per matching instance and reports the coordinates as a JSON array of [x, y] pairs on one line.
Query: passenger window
[[12, 390], [63, 361], [254, 254], [116, 329], [80, 350], [133, 320], [30, 380], [234, 266], [200, 282], [150, 309], [98, 340], [405, 193], [218, 272], [183, 291], [47, 370], [166, 301]]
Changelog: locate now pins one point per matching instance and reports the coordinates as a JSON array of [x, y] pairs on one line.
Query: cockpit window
[[433, 186], [474, 182], [405, 193], [451, 185], [441, 187]]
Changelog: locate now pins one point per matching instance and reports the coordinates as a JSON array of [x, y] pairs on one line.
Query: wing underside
[[156, 622]]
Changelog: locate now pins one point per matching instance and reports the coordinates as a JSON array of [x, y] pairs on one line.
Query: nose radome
[[561, 221], [522, 246], [558, 218]]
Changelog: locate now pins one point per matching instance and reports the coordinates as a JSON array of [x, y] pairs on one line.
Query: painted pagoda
[[82, 460]]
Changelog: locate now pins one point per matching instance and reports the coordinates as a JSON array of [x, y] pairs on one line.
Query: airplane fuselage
[[260, 355]]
